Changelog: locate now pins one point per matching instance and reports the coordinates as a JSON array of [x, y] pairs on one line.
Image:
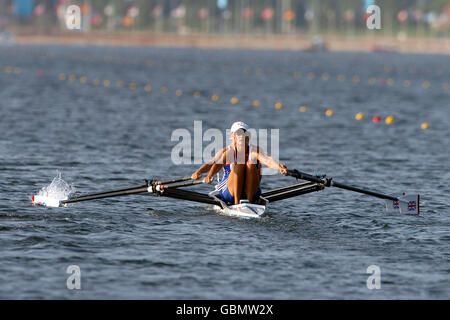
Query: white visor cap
[[238, 125]]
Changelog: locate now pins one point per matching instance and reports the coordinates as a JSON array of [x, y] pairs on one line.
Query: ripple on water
[[316, 246]]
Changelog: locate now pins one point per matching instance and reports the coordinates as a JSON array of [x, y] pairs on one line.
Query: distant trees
[[245, 16]]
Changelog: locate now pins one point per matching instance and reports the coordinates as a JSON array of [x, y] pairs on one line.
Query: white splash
[[58, 189]]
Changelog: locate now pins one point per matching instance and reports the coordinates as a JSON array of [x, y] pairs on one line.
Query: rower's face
[[241, 138]]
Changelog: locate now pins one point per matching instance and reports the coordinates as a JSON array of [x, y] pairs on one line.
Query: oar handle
[[156, 187], [306, 176]]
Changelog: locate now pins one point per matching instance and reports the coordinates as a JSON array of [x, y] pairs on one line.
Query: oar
[[152, 187], [159, 187], [149, 186], [406, 203], [140, 186], [173, 180], [328, 182], [118, 190], [105, 195]]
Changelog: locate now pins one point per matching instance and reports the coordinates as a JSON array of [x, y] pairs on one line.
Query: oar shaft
[[365, 191], [173, 180], [181, 184], [131, 190], [329, 182], [106, 195], [118, 190]]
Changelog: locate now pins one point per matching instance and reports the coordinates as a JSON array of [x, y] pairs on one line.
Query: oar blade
[[46, 201], [409, 204]]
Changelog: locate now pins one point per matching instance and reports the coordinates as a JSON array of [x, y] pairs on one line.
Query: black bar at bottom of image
[[220, 309]]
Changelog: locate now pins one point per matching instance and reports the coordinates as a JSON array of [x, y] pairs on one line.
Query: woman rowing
[[241, 163]]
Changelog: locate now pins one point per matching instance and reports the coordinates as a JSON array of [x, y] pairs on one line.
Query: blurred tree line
[[237, 16]]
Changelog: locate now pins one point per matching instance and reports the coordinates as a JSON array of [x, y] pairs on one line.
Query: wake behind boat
[[175, 189]]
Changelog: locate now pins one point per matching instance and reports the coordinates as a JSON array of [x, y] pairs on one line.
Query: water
[[317, 246]]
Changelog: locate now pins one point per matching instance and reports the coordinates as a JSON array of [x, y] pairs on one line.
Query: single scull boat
[[174, 189]]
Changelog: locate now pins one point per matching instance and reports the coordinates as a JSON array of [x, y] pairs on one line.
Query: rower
[[241, 163]]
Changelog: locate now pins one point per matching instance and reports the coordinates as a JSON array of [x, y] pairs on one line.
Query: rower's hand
[[283, 170], [207, 180], [196, 176]]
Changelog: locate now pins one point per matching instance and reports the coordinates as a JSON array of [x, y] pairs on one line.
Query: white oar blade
[[406, 204], [46, 201], [392, 206], [410, 204]]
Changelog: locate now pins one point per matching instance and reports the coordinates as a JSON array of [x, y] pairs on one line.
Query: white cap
[[238, 125]]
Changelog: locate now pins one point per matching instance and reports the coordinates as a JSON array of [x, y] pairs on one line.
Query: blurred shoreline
[[367, 43]]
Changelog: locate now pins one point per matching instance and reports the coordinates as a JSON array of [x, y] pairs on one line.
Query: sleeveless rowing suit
[[223, 185]]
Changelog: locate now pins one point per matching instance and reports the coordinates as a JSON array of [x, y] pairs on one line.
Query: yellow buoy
[[424, 125], [359, 116], [106, 83], [278, 105], [256, 103], [234, 100], [197, 94], [83, 80], [163, 90], [389, 120], [302, 109], [120, 84], [215, 97], [62, 76], [329, 112], [179, 92], [132, 86]]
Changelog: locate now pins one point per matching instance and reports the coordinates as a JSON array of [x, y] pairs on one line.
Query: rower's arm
[[216, 167], [271, 162], [204, 168], [208, 165]]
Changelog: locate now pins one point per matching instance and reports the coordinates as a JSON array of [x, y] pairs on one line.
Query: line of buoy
[[389, 120]]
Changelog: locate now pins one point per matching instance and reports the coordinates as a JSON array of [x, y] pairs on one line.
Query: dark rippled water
[[312, 247]]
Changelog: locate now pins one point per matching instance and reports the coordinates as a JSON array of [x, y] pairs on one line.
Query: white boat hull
[[244, 210]]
